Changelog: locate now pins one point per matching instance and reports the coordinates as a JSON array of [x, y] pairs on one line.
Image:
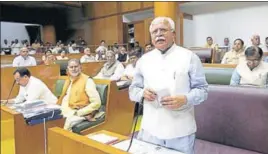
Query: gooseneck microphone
[[135, 123], [10, 91]]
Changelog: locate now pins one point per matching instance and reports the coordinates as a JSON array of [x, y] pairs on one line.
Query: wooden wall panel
[[103, 8], [130, 6], [147, 35], [49, 34], [106, 29], [139, 33], [148, 4]]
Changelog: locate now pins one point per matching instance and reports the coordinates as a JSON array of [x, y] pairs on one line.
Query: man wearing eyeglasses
[[171, 80], [253, 71], [24, 59], [31, 88]]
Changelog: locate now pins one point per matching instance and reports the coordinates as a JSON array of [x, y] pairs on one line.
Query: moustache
[[160, 39]]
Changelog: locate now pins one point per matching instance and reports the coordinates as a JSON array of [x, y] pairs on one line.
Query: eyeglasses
[[161, 31]]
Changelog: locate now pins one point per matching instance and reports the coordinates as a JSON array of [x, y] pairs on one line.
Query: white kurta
[[169, 71], [19, 61], [35, 90], [129, 70], [258, 76]]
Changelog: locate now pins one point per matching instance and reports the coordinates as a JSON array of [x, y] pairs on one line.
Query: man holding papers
[[171, 81], [31, 88]]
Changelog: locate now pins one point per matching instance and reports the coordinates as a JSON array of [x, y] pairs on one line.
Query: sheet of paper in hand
[[162, 93]]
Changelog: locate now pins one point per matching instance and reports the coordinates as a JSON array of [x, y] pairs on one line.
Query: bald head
[[255, 39]]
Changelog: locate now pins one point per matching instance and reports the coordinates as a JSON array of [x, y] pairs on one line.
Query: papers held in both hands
[[141, 147], [103, 138], [162, 93]]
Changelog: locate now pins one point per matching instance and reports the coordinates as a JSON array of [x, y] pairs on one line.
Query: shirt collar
[[168, 50], [25, 58]]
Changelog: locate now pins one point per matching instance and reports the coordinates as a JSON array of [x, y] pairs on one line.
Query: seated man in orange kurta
[[80, 98]]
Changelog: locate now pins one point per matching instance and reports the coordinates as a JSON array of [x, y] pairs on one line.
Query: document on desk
[[103, 138], [140, 147]]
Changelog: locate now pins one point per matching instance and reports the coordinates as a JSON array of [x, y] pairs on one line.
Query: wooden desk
[[61, 141], [92, 68], [8, 59], [26, 139], [220, 65]]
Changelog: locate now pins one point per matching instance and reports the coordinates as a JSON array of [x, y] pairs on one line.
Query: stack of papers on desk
[[140, 147], [103, 138], [36, 111]]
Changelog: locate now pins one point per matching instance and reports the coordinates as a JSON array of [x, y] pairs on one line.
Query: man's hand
[[149, 95], [174, 102]]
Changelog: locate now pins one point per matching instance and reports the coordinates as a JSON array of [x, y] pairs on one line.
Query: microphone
[[140, 104], [10, 91]]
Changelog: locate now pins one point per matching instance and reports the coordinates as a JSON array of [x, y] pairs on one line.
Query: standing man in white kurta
[[171, 81]]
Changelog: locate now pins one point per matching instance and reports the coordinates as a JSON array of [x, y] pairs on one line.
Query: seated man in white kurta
[[130, 68], [252, 72], [171, 81], [112, 69], [80, 97], [31, 88], [24, 59], [236, 55]]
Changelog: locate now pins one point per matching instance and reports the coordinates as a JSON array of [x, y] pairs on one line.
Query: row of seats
[[233, 120]]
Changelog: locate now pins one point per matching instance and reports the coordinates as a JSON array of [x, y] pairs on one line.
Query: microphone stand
[[135, 123], [10, 92]]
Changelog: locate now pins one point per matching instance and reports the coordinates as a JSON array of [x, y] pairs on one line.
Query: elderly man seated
[[112, 69], [122, 55], [80, 99], [100, 55], [253, 71], [236, 55], [31, 88], [87, 57], [24, 59]]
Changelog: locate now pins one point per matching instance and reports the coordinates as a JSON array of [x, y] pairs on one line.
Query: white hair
[[158, 20], [255, 35]]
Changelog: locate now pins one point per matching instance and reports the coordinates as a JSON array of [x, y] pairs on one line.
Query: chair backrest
[[63, 66], [101, 88], [205, 54], [58, 87], [103, 92], [221, 76], [234, 116]]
